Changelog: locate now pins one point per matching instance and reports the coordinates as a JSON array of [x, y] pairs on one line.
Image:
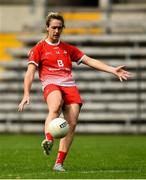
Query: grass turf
[[91, 156]]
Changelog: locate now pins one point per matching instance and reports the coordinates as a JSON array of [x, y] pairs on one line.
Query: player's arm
[[28, 79], [99, 65]]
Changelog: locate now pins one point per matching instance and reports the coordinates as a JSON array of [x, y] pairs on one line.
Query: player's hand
[[25, 100], [121, 73]]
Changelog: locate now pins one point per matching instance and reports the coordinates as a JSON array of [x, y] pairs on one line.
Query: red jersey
[[54, 62]]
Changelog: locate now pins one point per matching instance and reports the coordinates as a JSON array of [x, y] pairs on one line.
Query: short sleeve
[[76, 54], [34, 55]]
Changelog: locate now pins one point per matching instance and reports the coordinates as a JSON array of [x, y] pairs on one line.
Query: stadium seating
[[109, 105], [8, 40]]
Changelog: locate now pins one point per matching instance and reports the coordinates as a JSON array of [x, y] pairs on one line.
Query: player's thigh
[[54, 101], [71, 113]]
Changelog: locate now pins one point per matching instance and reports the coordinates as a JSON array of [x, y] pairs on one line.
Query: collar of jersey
[[52, 44]]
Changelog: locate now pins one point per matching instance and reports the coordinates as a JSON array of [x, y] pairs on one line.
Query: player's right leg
[[47, 146], [54, 101]]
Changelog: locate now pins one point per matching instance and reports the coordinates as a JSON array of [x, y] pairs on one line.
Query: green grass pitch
[[91, 156]]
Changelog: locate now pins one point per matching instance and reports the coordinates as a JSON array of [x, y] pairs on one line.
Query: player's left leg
[[71, 113]]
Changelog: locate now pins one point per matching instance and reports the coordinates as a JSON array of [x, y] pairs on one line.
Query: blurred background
[[111, 30]]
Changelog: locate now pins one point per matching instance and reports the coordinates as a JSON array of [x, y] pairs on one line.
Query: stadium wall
[[19, 18]]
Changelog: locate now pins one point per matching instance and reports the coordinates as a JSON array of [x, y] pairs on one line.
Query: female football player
[[53, 58]]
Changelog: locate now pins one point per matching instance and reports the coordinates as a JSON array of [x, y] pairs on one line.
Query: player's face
[[54, 30]]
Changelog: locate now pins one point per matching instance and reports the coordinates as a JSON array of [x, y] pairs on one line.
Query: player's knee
[[54, 112], [72, 126], [55, 109]]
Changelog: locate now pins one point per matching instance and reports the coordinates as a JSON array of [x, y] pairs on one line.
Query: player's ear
[[47, 28]]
